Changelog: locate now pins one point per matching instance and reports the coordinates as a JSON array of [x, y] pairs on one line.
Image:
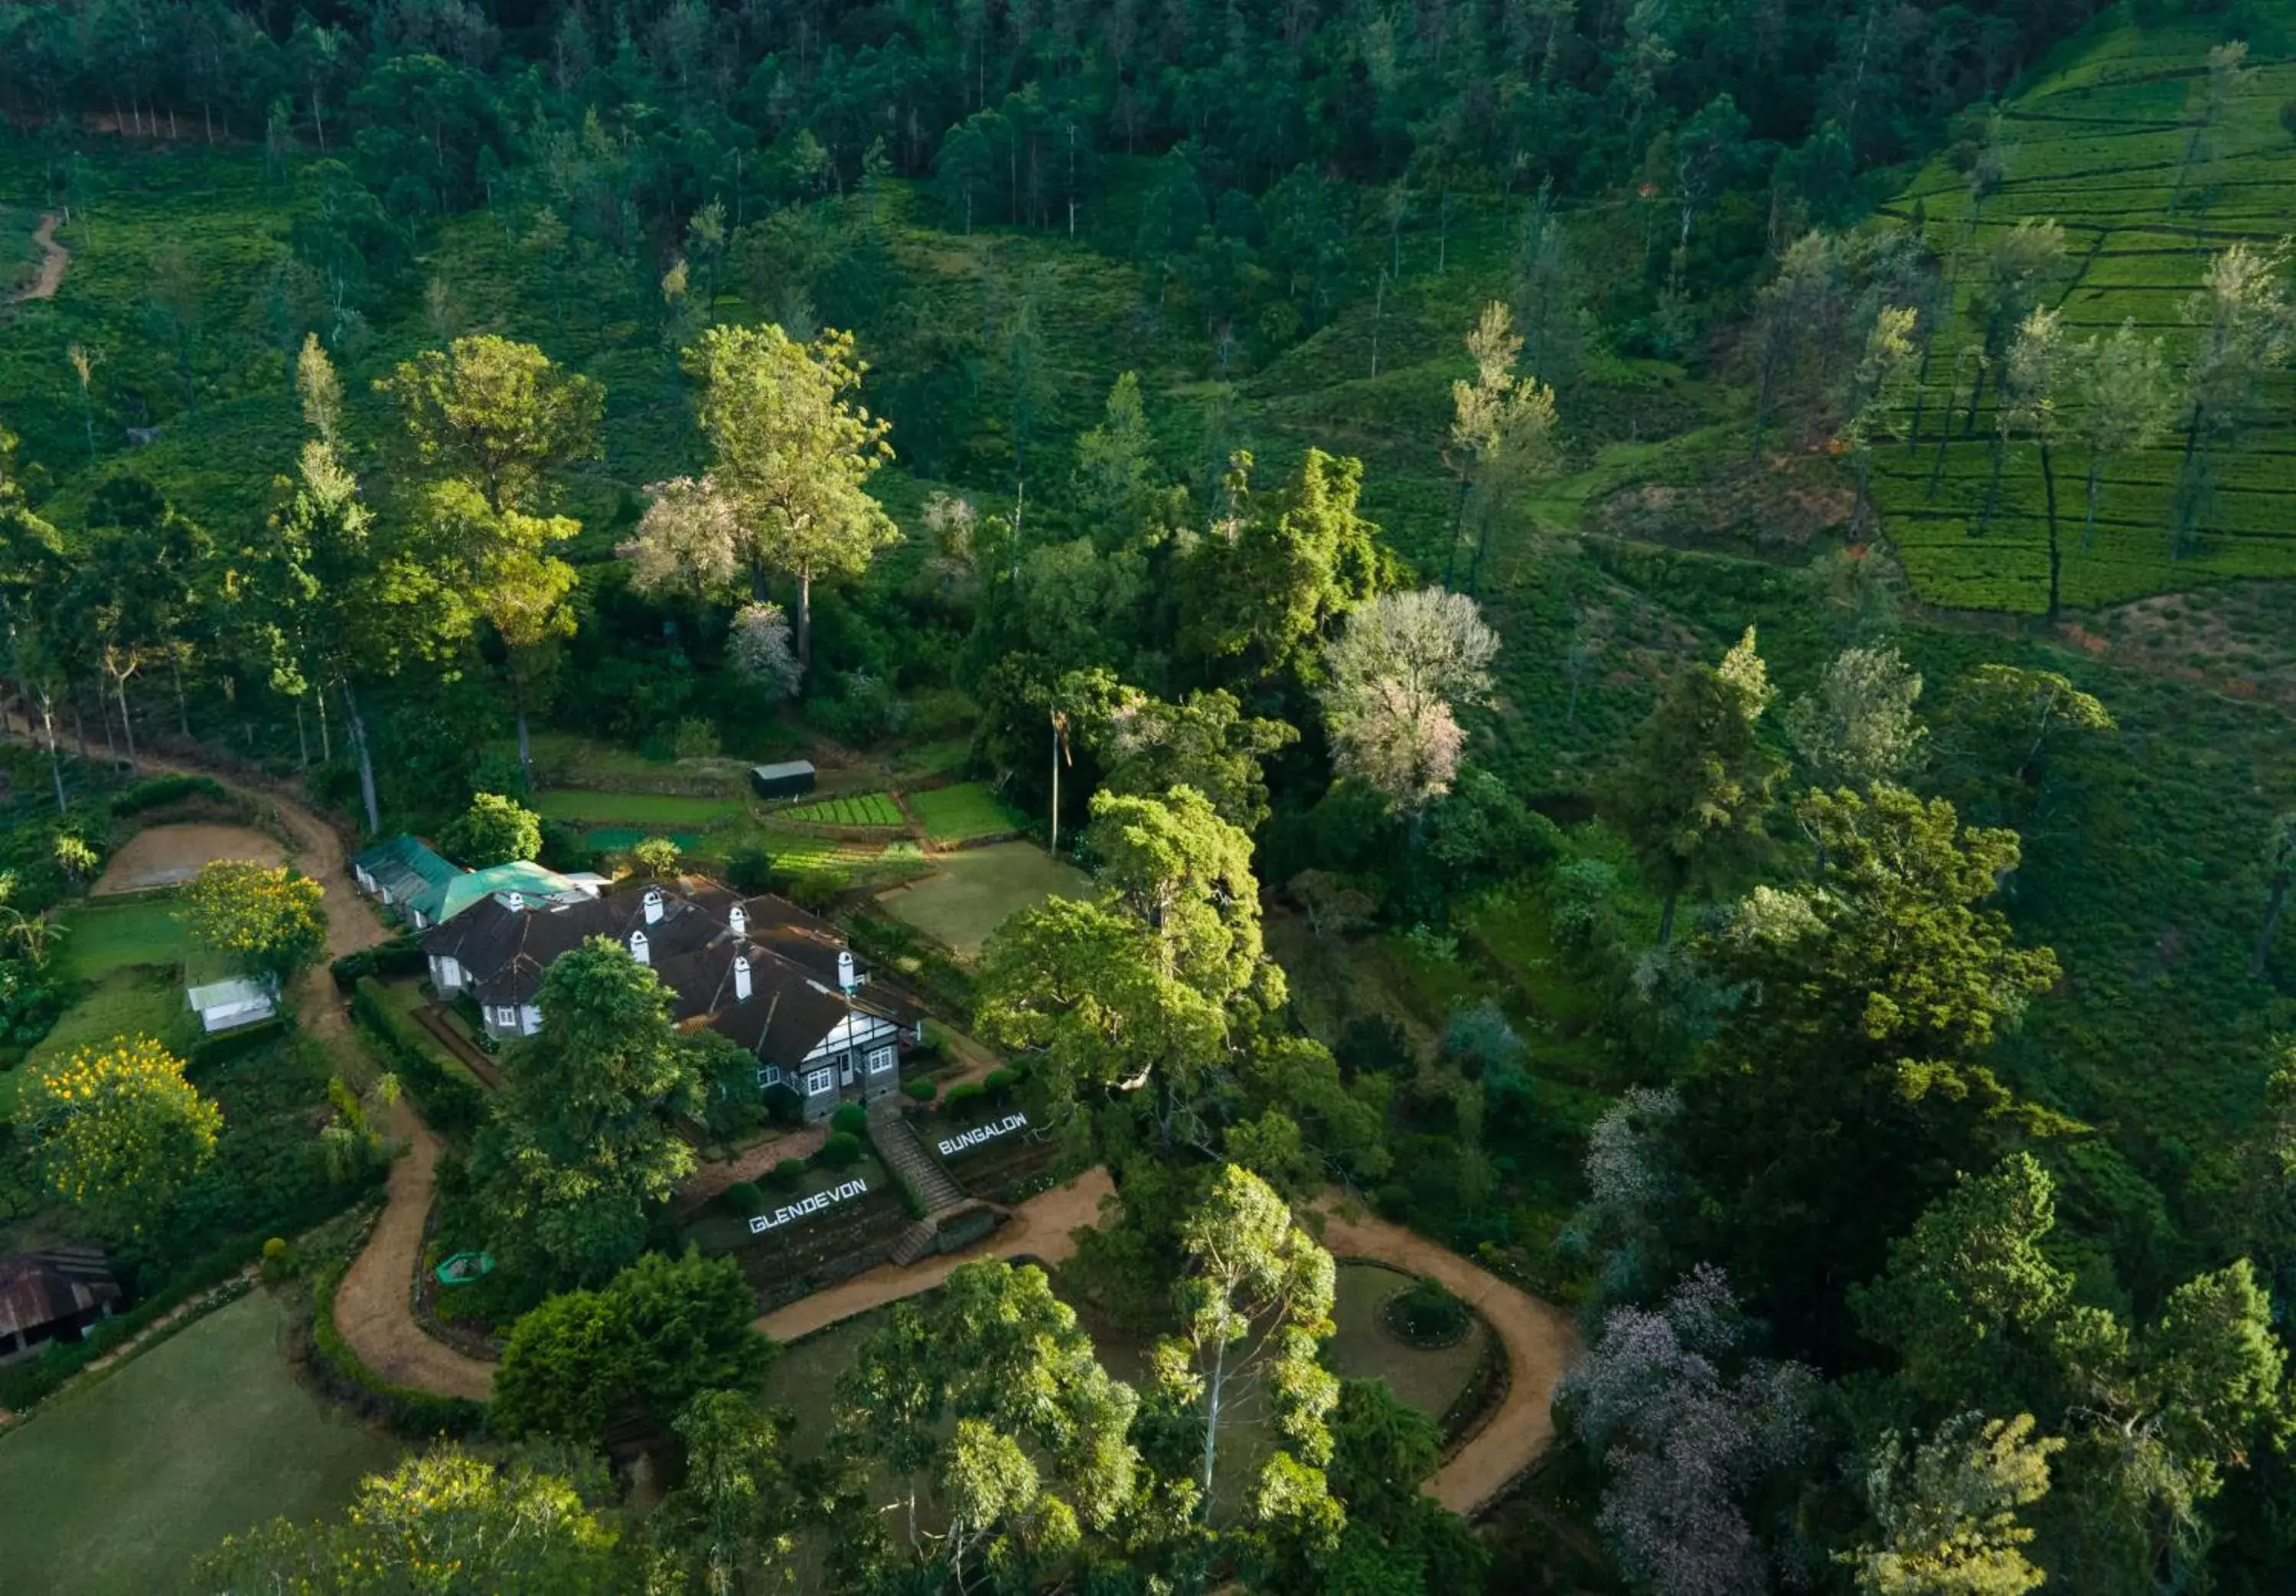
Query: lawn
[[117, 1486], [966, 810], [971, 892], [102, 936], [635, 809], [868, 809], [618, 839]]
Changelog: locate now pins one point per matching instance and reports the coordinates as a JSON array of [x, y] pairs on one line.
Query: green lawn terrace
[[117, 1486], [814, 1250], [970, 892], [2099, 145]]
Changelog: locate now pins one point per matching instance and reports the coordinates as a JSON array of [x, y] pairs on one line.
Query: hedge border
[[450, 1103], [418, 1415]]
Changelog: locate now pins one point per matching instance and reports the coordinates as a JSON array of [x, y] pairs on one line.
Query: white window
[[506, 1016], [818, 1081], [881, 1059], [769, 1075]]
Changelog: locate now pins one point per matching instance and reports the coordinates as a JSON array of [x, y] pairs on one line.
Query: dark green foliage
[[786, 1174], [920, 1089], [452, 1103], [660, 1331], [842, 1150], [850, 1119], [743, 1198], [960, 1098]]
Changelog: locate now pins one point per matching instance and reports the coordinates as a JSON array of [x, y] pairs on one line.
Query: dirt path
[[169, 855], [1540, 1339], [1040, 1228], [371, 1306], [54, 258]]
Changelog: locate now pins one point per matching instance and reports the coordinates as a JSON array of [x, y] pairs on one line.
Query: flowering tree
[[758, 650], [1686, 1441], [1393, 675], [118, 1127], [267, 921]]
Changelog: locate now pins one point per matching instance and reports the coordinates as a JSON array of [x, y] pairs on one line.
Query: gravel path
[[1039, 1229], [1540, 1339]]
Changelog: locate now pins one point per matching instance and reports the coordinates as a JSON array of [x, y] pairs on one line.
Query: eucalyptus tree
[[2246, 324], [2124, 403]]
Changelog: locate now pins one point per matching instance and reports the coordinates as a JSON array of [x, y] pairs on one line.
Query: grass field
[[635, 809], [971, 892], [126, 1002], [966, 810], [103, 936], [2099, 145], [117, 1487], [615, 839], [867, 809]]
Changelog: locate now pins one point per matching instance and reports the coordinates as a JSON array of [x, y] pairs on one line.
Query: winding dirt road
[[54, 257], [1541, 1343]]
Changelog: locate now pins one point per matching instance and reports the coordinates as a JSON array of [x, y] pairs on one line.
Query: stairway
[[918, 1171]]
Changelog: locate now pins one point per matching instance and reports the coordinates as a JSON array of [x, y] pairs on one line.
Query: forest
[[1638, 646]]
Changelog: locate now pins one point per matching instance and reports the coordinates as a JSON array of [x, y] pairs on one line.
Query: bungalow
[[53, 1296], [406, 875], [759, 969]]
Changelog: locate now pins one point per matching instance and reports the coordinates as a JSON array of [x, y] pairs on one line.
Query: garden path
[[1541, 1343], [54, 258]]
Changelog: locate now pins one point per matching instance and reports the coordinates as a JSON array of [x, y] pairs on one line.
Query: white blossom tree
[[1393, 676], [758, 650]]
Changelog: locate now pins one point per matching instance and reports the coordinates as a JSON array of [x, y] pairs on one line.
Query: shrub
[[851, 1118], [751, 870], [402, 955], [694, 738], [842, 1150], [960, 1098], [743, 1198], [1428, 1314], [920, 1089], [278, 1259], [409, 1412], [2288, 117], [785, 1175], [450, 1100], [999, 1084], [783, 1107], [152, 792]]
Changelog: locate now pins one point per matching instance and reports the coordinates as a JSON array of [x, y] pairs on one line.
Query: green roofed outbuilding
[[532, 882], [407, 874]]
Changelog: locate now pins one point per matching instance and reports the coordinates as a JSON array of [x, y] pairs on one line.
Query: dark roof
[[40, 1289], [794, 1000]]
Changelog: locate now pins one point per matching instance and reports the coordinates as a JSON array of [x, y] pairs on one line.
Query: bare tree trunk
[[365, 762], [183, 712], [525, 750], [128, 728], [302, 743], [326, 739], [55, 765], [1666, 919], [2088, 522], [804, 619], [2056, 555]]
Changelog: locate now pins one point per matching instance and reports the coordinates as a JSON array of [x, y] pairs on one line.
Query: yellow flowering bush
[[117, 1124], [265, 921]]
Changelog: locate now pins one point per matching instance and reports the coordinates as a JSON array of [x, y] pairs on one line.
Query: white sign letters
[[964, 1140], [762, 1222]]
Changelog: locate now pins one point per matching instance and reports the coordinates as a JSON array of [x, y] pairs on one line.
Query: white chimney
[[652, 905], [738, 919], [638, 948], [515, 902], [847, 976], [741, 976]]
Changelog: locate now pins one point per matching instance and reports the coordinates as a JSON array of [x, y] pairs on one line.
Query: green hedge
[[418, 1414], [152, 792], [400, 956], [233, 1043], [940, 979], [451, 1102]]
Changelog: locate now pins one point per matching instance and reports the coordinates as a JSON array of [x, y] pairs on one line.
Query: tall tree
[[1399, 664], [2126, 400], [1690, 789], [1502, 436], [1948, 1515], [2245, 324], [792, 454], [2280, 871], [1255, 1308], [2032, 395], [1856, 728], [267, 922], [1871, 997], [991, 1406], [728, 1528], [445, 1523], [582, 1139]]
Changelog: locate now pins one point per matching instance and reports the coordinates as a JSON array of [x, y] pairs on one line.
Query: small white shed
[[227, 1005]]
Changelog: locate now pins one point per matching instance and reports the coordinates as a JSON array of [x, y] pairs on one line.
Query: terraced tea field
[[2106, 147], [962, 812], [868, 809]]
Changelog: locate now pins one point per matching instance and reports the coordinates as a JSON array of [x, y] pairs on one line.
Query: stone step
[[918, 1171], [916, 1242]]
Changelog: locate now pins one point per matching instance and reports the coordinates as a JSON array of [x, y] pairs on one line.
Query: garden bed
[[814, 1250]]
